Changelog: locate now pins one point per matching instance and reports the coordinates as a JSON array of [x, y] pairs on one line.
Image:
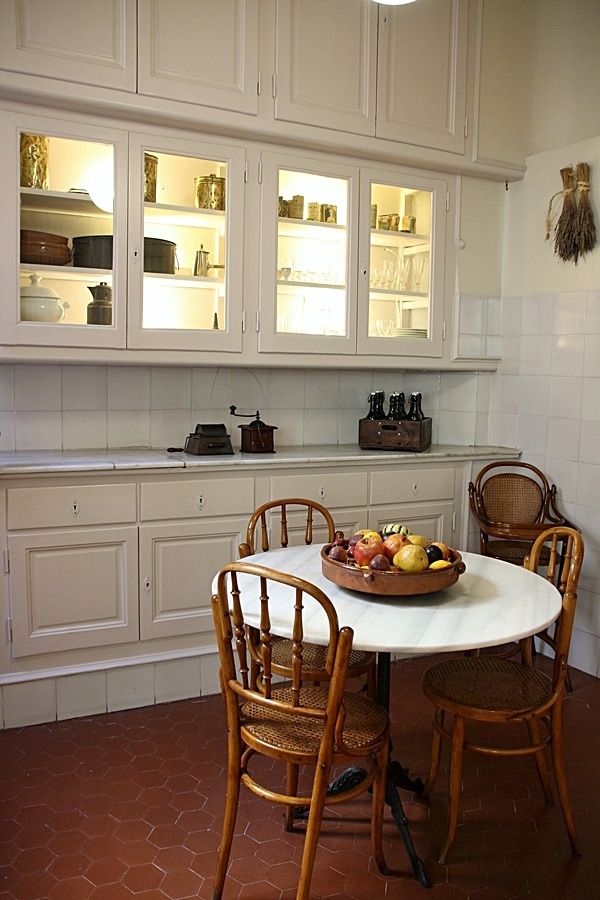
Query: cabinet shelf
[[311, 284], [73, 203], [417, 243], [184, 215], [70, 273], [305, 228]]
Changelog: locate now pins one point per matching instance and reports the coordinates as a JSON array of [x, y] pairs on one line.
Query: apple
[[365, 549], [392, 544]]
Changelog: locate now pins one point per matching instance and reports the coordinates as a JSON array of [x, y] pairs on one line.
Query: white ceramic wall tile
[[8, 437], [535, 354], [84, 430], [81, 695], [533, 433], [29, 703], [456, 427], [567, 354], [7, 387], [588, 486], [534, 394], [503, 429], [170, 388], [510, 354], [569, 311], [589, 442], [209, 674], [471, 315], [348, 425], [84, 387], [592, 312], [563, 438], [460, 393], [566, 396], [320, 426], [128, 428], [290, 427], [584, 652], [38, 388], [250, 390], [128, 387], [38, 430], [511, 313], [586, 516], [591, 359], [536, 314], [588, 608], [355, 388], [321, 391], [563, 473], [590, 398], [504, 394], [129, 687], [471, 346], [170, 427], [177, 679], [286, 387], [211, 388]]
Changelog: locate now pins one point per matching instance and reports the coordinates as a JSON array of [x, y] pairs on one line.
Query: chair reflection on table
[[295, 723]]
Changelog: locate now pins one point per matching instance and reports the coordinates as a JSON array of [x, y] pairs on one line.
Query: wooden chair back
[[265, 516]]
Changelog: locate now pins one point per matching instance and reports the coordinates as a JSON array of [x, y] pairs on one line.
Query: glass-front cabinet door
[[402, 264], [185, 255], [66, 223], [308, 270]]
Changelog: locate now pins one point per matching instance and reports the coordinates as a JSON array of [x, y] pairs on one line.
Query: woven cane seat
[[486, 685], [315, 655], [364, 724]]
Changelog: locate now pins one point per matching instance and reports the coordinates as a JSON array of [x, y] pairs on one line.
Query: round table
[[492, 603]]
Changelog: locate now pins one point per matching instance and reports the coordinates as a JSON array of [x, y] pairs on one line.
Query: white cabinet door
[[326, 63], [89, 43], [421, 498], [422, 74], [177, 306], [203, 52], [62, 180], [432, 520], [177, 564], [73, 589]]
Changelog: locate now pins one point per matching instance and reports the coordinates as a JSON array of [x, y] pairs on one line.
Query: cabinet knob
[[146, 584]]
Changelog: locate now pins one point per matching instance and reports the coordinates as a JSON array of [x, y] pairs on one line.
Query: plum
[[380, 563], [338, 553]]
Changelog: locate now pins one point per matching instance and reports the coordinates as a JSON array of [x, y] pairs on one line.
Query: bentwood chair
[[296, 723], [283, 515], [499, 691], [513, 503]]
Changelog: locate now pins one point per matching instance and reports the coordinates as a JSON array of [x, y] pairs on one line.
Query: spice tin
[[312, 212], [327, 213], [373, 215], [34, 161], [210, 192], [297, 207], [150, 173], [409, 224]]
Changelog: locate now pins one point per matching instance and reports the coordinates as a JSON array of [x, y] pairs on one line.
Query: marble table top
[[492, 603]]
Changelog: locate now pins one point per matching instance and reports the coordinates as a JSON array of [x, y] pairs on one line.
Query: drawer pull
[[147, 584], [75, 508], [200, 501], [415, 487]]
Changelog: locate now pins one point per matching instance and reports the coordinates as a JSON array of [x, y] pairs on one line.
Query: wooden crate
[[388, 435]]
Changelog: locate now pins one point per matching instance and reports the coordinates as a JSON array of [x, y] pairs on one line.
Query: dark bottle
[[397, 411], [415, 413], [376, 410]]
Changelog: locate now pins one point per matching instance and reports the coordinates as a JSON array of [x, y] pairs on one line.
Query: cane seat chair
[[263, 520], [499, 691], [513, 503], [294, 723]]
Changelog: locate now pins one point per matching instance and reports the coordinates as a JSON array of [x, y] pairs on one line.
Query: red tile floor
[[129, 804]]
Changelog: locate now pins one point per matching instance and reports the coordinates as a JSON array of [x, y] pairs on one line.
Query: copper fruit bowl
[[393, 583]]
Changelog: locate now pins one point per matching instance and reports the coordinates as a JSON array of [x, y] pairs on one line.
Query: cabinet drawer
[[81, 504], [333, 491], [408, 485], [190, 499]]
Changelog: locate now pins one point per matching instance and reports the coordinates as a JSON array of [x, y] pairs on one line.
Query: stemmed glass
[[404, 272], [418, 271]]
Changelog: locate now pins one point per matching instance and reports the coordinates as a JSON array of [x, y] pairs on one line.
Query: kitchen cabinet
[[370, 281], [73, 567], [203, 53], [424, 499], [142, 245], [399, 74], [92, 43]]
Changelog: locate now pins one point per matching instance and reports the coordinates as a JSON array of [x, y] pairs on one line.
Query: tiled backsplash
[[73, 407]]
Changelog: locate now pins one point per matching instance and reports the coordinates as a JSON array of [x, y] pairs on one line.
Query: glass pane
[[400, 259], [184, 242], [312, 249], [66, 221]]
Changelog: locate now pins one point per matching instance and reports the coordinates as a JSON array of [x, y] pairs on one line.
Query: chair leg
[[436, 750], [533, 728], [313, 829], [456, 755], [558, 761], [379, 792], [231, 808], [292, 772]]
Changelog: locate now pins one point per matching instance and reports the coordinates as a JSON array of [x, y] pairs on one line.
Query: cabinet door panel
[[63, 506], [202, 53], [199, 498], [89, 43], [177, 565], [335, 490], [401, 486], [422, 72], [71, 590], [432, 520], [326, 63]]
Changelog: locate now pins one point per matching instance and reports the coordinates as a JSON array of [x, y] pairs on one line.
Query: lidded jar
[[40, 303], [99, 311]]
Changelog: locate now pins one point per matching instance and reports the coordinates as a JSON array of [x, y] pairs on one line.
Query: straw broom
[[586, 229], [566, 244]]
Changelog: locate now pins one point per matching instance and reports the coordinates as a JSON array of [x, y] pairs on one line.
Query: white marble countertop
[[57, 461]]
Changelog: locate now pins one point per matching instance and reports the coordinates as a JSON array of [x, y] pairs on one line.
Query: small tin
[[373, 215], [409, 224], [328, 213], [210, 192], [313, 212], [150, 173], [283, 210], [297, 207]]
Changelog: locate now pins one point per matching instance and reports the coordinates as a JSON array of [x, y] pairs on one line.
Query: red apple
[[365, 549], [392, 544]]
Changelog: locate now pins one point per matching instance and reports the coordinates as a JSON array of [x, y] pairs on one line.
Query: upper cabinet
[[88, 43], [398, 74], [200, 52]]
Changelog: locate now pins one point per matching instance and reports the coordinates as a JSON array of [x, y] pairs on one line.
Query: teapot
[[99, 311], [40, 303], [201, 264], [102, 293]]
